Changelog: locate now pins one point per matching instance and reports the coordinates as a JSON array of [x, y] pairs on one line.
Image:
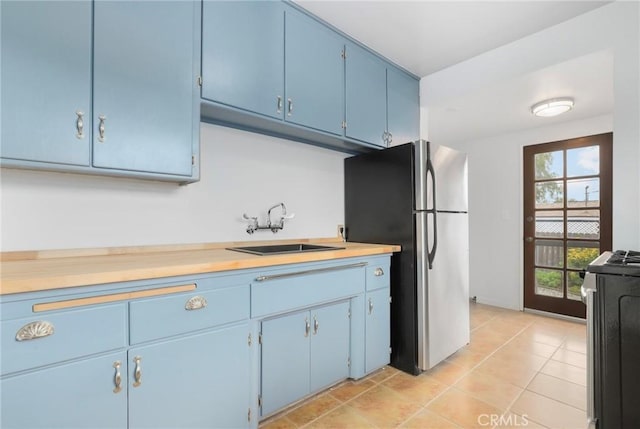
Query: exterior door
[[567, 219]]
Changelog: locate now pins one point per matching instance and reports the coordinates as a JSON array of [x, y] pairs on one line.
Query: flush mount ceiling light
[[552, 107]]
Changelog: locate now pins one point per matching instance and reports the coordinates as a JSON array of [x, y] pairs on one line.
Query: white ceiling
[[428, 36]]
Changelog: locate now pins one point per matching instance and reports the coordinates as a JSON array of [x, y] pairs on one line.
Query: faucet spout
[[282, 216]]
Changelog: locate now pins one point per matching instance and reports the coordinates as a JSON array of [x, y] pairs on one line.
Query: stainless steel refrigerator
[[415, 195]]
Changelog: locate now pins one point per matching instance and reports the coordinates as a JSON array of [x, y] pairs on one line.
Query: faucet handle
[[251, 218], [288, 216]]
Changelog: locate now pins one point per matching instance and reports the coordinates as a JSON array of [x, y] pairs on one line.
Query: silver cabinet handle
[[196, 303], [290, 108], [101, 129], [378, 272], [35, 330], [307, 327], [370, 306], [384, 137], [137, 373], [314, 271], [279, 105], [316, 325], [117, 378], [390, 138], [80, 125]]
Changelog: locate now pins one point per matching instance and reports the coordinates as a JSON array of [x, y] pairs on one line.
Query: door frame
[[606, 176]]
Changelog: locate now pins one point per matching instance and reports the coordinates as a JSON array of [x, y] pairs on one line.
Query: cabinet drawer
[[283, 291], [177, 314], [55, 337], [377, 276]]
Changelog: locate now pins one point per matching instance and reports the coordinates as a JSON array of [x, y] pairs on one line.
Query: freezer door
[[451, 180], [446, 299]]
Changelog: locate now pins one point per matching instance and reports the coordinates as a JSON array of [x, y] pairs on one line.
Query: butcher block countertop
[[33, 271]]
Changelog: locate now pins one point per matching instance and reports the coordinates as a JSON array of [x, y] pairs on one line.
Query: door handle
[[432, 253], [529, 239]]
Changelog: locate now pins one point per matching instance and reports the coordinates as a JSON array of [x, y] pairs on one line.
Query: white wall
[[240, 172], [495, 163]]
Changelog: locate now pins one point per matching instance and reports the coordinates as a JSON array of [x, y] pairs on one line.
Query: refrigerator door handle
[[432, 253]]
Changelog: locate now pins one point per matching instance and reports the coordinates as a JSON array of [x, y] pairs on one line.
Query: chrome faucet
[[254, 225]]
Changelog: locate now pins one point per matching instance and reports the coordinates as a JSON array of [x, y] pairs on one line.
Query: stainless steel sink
[[279, 249]]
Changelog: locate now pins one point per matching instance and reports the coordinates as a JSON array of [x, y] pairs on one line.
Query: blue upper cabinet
[[243, 55], [270, 67], [46, 81], [314, 73], [145, 68], [366, 96], [403, 107], [102, 87]]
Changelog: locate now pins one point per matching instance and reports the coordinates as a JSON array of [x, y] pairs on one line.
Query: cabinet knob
[[101, 129], [378, 272], [370, 306], [117, 378], [137, 372], [307, 327], [80, 124], [290, 108], [279, 105], [196, 303], [35, 330], [316, 325]]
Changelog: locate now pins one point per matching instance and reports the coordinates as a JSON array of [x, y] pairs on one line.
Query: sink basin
[[279, 249]]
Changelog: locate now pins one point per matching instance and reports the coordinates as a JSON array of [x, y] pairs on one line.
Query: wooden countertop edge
[[38, 275], [24, 255]]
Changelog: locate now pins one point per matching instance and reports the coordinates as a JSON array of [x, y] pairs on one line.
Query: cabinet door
[[192, 382], [314, 74], [403, 106], [366, 96], [145, 67], [46, 81], [330, 336], [377, 331], [243, 55], [75, 395], [285, 360]]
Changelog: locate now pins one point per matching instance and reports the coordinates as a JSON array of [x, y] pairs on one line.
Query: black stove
[[624, 257], [620, 262]]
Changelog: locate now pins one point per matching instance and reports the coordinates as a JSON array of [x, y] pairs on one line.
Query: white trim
[[556, 316]]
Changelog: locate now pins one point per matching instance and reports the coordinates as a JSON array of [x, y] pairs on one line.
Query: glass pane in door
[[549, 282], [583, 193], [550, 195], [581, 253], [583, 161], [549, 224], [550, 253], [574, 282], [583, 224], [548, 165]]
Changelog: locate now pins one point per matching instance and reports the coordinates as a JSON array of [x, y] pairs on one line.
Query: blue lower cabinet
[[75, 395], [192, 382], [329, 345], [285, 360], [303, 353], [377, 329]]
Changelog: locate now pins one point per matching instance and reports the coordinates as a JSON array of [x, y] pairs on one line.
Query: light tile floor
[[520, 370]]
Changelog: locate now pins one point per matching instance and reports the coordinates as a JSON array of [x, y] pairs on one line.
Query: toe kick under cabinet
[[219, 350]]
